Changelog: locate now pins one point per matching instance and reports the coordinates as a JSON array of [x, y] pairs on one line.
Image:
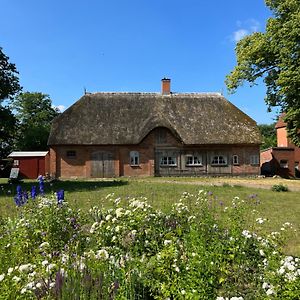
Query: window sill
[[215, 165], [194, 165], [167, 166]]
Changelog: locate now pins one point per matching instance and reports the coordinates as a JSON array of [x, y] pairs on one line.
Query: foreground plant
[[198, 250]]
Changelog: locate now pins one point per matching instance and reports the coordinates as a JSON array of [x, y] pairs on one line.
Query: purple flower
[[21, 197], [60, 196], [41, 184], [33, 192], [18, 200], [19, 190]]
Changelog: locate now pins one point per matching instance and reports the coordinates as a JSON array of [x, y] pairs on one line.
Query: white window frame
[[195, 160], [254, 160], [284, 163], [168, 161], [219, 160], [134, 158], [235, 159], [16, 163]]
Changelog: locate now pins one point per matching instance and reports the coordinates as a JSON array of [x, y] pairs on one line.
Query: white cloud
[[61, 108], [244, 28], [239, 34]]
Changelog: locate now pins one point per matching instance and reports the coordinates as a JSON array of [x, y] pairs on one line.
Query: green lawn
[[277, 207]]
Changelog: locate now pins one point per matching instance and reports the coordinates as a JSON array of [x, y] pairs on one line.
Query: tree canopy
[[269, 137], [274, 55], [34, 113], [9, 81], [9, 87]]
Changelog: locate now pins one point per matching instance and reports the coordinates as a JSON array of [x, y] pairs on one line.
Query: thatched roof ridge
[[126, 118]]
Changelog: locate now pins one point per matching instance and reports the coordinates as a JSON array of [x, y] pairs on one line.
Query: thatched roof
[[127, 118]]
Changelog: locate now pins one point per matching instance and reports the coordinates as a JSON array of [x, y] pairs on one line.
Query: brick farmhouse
[[153, 134], [282, 160]]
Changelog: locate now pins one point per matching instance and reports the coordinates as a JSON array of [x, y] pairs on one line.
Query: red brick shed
[[31, 164]]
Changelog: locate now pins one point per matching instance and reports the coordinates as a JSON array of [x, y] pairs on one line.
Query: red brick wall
[[282, 140], [80, 166]]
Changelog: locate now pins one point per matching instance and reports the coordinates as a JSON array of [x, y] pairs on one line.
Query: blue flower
[[21, 197], [33, 192], [41, 184], [19, 190], [60, 196]]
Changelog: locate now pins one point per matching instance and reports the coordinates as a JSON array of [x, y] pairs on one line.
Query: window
[[168, 161], [134, 158], [219, 160], [235, 159], [193, 160], [161, 136], [284, 164], [16, 163], [71, 154], [254, 160]]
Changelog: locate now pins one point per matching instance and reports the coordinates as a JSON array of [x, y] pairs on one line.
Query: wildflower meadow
[[199, 249]]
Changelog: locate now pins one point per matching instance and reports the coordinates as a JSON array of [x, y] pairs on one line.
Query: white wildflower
[[247, 234], [167, 242], [45, 262], [119, 212], [94, 226], [25, 268], [52, 284], [260, 220], [10, 270], [108, 217], [44, 245], [38, 285], [24, 290], [2, 277], [30, 285], [50, 267], [261, 252], [270, 291], [265, 285], [16, 278], [102, 254]]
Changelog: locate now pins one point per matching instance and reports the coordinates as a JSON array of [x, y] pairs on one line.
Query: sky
[[63, 47]]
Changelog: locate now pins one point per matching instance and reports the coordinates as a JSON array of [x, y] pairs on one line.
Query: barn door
[[102, 164]]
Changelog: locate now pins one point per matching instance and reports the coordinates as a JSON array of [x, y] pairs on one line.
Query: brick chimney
[[166, 86]]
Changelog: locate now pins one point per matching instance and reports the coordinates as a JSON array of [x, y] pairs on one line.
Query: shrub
[[279, 188]]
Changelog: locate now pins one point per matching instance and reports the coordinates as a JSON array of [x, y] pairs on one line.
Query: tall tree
[[268, 133], [9, 81], [34, 112], [274, 56], [9, 86]]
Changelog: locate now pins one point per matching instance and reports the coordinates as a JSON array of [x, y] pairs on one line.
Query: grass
[[278, 208]]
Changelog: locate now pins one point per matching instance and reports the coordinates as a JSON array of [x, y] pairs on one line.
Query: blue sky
[[62, 47]]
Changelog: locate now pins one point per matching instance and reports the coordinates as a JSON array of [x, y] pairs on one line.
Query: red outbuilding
[[31, 164]]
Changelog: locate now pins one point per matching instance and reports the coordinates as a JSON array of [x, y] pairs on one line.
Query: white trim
[[28, 153]]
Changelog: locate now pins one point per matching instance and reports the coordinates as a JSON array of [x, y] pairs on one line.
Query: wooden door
[[102, 164]]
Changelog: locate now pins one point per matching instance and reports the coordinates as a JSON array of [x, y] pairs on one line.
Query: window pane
[[134, 158]]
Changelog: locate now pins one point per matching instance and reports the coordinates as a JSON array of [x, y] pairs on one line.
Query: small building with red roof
[[282, 160]]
